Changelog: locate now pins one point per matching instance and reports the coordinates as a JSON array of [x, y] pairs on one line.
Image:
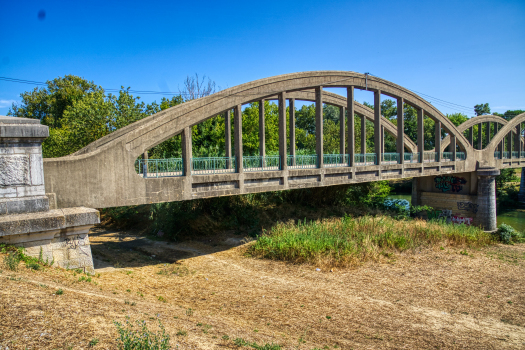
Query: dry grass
[[425, 299], [344, 242]]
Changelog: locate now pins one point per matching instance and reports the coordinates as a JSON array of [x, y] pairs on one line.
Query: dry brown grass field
[[208, 293]]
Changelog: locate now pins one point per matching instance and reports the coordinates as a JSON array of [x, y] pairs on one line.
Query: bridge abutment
[[28, 218], [468, 198]]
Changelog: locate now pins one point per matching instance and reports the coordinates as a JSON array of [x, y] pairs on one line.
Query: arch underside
[[103, 174], [477, 121]]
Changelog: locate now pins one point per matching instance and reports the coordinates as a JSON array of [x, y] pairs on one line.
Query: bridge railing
[[430, 157], [361, 159], [460, 156], [411, 157], [335, 160], [506, 155], [159, 167], [515, 154], [302, 161], [260, 163], [522, 154], [213, 165], [390, 158]]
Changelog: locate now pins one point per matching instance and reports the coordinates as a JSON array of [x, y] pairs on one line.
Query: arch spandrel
[[163, 125], [511, 125]]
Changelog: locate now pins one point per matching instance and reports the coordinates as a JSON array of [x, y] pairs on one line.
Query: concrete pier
[[28, 218]]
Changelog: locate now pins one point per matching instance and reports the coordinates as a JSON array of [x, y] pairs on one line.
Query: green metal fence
[[429, 156], [302, 161], [159, 167], [411, 158], [390, 158], [361, 159], [260, 163], [497, 154], [446, 156], [213, 165], [506, 155], [460, 156], [335, 160], [515, 154]]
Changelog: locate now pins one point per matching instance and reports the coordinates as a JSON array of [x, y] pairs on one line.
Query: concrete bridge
[[460, 184]]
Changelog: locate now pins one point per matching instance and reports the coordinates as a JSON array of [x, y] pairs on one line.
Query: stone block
[[14, 170], [25, 191], [7, 192], [37, 169], [24, 205]]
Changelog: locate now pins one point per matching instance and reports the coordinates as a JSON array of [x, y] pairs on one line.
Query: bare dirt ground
[[203, 291]]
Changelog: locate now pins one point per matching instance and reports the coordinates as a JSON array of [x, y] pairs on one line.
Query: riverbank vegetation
[[349, 241]]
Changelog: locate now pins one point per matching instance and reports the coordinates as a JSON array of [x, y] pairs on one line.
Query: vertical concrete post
[[500, 145], [415, 192], [282, 131], [363, 135], [342, 130], [262, 135], [400, 142], [382, 139], [351, 125], [228, 138], [319, 126], [509, 144], [292, 128], [517, 142], [237, 125], [452, 147], [486, 215], [421, 134], [377, 126], [487, 135], [480, 136], [521, 193], [145, 165], [437, 147], [471, 136], [186, 151]]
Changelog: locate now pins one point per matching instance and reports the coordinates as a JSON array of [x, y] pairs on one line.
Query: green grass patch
[[349, 241]]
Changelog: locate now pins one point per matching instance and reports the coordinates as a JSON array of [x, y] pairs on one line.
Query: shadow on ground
[[123, 249]]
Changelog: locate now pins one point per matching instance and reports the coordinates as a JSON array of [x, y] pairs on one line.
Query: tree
[[195, 88], [482, 109]]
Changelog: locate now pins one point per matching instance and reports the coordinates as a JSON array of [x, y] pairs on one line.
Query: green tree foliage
[[482, 109]]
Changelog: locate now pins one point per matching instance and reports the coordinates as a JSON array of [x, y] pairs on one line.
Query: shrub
[[12, 260], [139, 337], [507, 234]]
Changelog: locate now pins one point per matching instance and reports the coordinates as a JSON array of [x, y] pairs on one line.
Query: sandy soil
[[205, 290]]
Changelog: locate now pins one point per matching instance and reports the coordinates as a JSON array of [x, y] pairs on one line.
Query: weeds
[[241, 342], [139, 337], [59, 292], [349, 241], [12, 260], [182, 333], [93, 342]]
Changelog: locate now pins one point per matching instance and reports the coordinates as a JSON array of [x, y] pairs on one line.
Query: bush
[[141, 338], [12, 260], [508, 235]]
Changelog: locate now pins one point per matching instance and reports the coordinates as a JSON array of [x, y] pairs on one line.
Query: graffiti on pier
[[446, 215], [449, 183], [468, 206]]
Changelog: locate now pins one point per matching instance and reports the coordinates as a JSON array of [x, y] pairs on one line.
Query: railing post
[[471, 136], [292, 132], [509, 144], [452, 147], [145, 165], [400, 142], [262, 134], [342, 130], [186, 151], [237, 121], [319, 126], [282, 130], [377, 125], [363, 134], [480, 136], [487, 135], [228, 138], [420, 134], [351, 134], [437, 147]]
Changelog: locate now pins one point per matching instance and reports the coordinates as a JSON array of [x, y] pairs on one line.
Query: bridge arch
[[508, 128], [106, 173]]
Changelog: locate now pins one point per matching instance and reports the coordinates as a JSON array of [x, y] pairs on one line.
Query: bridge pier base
[[464, 198], [27, 218], [521, 193]]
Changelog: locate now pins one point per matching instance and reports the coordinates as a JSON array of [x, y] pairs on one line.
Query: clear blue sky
[[465, 52]]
